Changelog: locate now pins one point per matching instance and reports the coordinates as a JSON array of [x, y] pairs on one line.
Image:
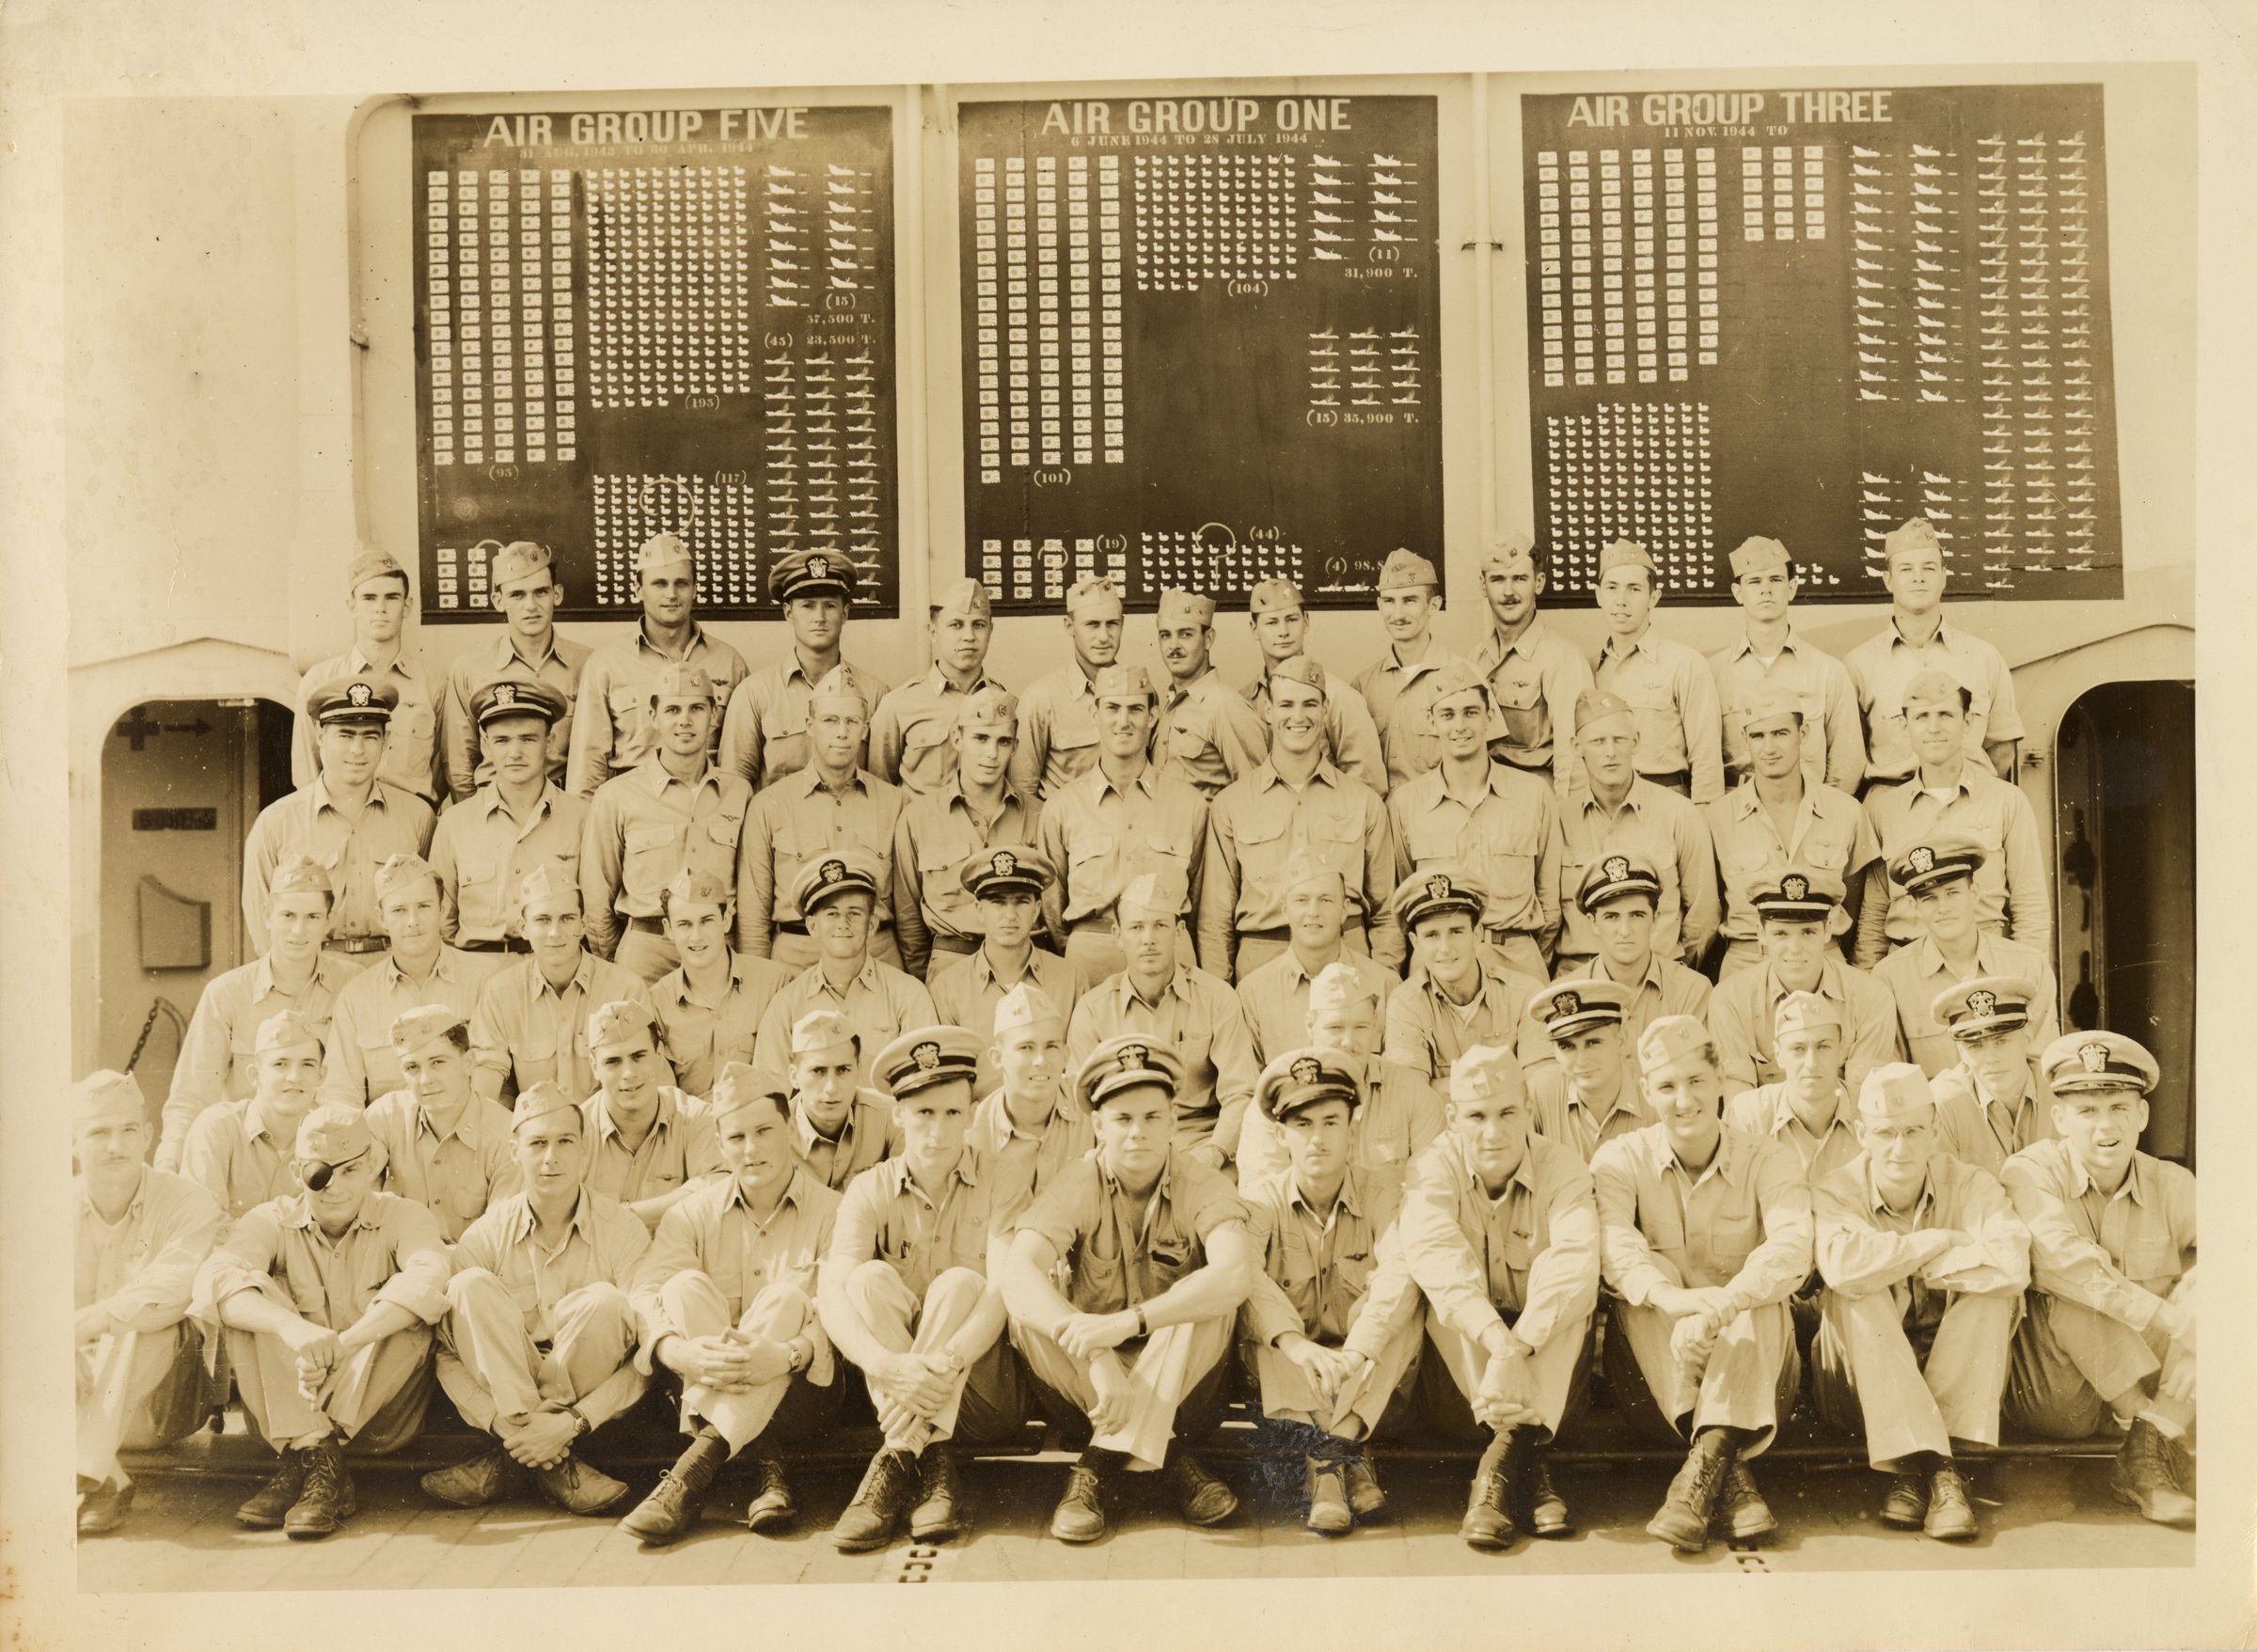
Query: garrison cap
[[1486, 1071], [1026, 1005], [1984, 1004], [1164, 892], [823, 1029], [1919, 534], [1510, 551], [1093, 589], [1767, 703], [333, 1133], [1459, 677], [812, 573], [514, 696], [288, 1031], [1925, 865], [108, 1094], [1273, 596], [1177, 606], [1340, 986], [1007, 869], [691, 886], [1758, 555], [681, 683], [1306, 866], [1569, 1007], [1406, 570], [1617, 876], [546, 881], [2097, 1061], [1436, 889], [519, 559], [374, 565], [1117, 682], [662, 550], [1300, 669], [847, 870], [1805, 1012], [926, 1056], [352, 700], [621, 1022], [1671, 1038], [1796, 894], [1626, 553], [989, 707], [403, 871], [1892, 1092], [1930, 686], [842, 683], [539, 1100], [1302, 1078], [962, 596], [300, 874], [738, 1085], [1122, 1064], [1592, 707]]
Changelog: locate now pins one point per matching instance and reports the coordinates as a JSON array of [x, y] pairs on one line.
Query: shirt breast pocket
[[1827, 849], [626, 715], [1087, 852], [1165, 848], [924, 752], [1172, 1256], [1073, 729], [2151, 1256], [1432, 841], [1732, 1238], [713, 845], [1100, 1284], [782, 720], [475, 880], [649, 852], [1296, 1259], [411, 724], [1664, 1228]]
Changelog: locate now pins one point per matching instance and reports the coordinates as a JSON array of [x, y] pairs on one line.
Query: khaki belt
[[358, 943], [508, 943]]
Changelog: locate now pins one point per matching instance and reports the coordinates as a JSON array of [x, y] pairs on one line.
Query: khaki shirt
[[391, 1254], [1865, 1244], [305, 823], [1672, 698], [1427, 1032], [611, 718], [1565, 1115], [881, 1003], [1018, 1164], [454, 1174], [644, 830], [483, 855], [2012, 893], [866, 1137], [1981, 1130], [1400, 696], [239, 1157], [909, 730], [1533, 687], [798, 819], [933, 838], [1351, 738], [1274, 999], [1743, 1223], [1401, 1114], [1197, 1017], [1915, 974], [1670, 832], [361, 1064], [885, 1216], [218, 1059], [1833, 738], [1745, 1006], [763, 733], [1529, 1255], [1258, 825], [1208, 735], [1337, 1276], [699, 1037], [1830, 833], [680, 1148], [1507, 835], [1667, 989], [1103, 837], [527, 1030], [482, 663], [1766, 1112], [2118, 1253], [411, 740], [141, 1268], [1883, 663], [1057, 734], [711, 1230], [965, 994], [1120, 1251]]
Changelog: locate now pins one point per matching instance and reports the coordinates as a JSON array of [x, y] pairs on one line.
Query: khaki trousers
[[988, 1401], [777, 1313], [2072, 1366], [1549, 1382], [137, 1389], [1750, 1382], [1288, 1394], [375, 1400], [1179, 1368], [1866, 1374], [491, 1367]]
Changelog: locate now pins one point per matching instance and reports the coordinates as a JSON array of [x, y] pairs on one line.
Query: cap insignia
[[2094, 1056], [818, 568], [1923, 859], [1795, 889], [1982, 1003], [1135, 1058], [359, 693], [1306, 1071], [1003, 863], [1617, 868], [928, 1055]]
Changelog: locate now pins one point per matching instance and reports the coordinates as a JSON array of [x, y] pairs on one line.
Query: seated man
[[531, 1020], [1616, 898], [726, 1296], [538, 1345], [840, 1129], [1809, 1109], [142, 1234], [1397, 1111], [648, 1142], [240, 1152], [1331, 1330], [1794, 912], [417, 968], [327, 1298], [443, 1144], [1162, 999], [1583, 1097], [1459, 993], [1924, 1263], [837, 894], [709, 1009], [1274, 997], [1707, 1236], [904, 1295], [1954, 948], [1026, 1131], [1005, 883], [1159, 1263], [1991, 1106], [2110, 1323], [1502, 1234]]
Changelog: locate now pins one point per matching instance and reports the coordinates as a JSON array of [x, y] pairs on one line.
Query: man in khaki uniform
[[1954, 948], [1797, 912], [838, 894], [1159, 1263], [142, 1234], [443, 1144], [519, 818], [527, 652], [764, 727], [1666, 686], [709, 1008], [1584, 1095], [1502, 1233], [974, 807], [538, 1345], [1005, 884], [1536, 677], [417, 968], [1808, 1109], [1618, 811], [1708, 1232], [1281, 630], [1770, 658], [1615, 901], [1924, 1263], [531, 1020], [840, 1129], [1028, 1129], [648, 1142], [2111, 1321], [1058, 714], [372, 1269], [239, 1151], [1399, 686], [1274, 997], [377, 594], [1331, 1329], [1992, 1104], [726, 1296], [912, 729], [904, 1296], [1207, 734], [1459, 993]]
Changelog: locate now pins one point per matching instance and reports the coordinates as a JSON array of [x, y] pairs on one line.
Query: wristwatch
[[1142, 1326], [580, 1425], [802, 1353]]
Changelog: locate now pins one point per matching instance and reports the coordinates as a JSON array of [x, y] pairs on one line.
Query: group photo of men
[[1431, 1051]]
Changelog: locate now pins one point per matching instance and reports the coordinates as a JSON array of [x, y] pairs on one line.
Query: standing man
[[840, 1127], [1668, 686], [672, 811], [1768, 656], [973, 807], [1331, 1328], [527, 652], [1777, 814], [1399, 686], [1058, 724], [1618, 811], [1274, 997], [1916, 640], [141, 1235], [726, 1296], [610, 725], [1206, 734], [764, 734], [838, 895], [1499, 822], [531, 1020], [910, 731], [709, 1009], [904, 1296], [1795, 914], [220, 1053], [648, 1143], [1708, 1232], [346, 818], [1952, 949], [518, 819], [441, 1143], [1502, 1233], [377, 592], [327, 1298], [1584, 1097], [239, 1151], [1460, 994], [538, 1345], [1924, 1264], [1952, 794], [1158, 1262], [1992, 1105], [1280, 630], [1119, 819], [2110, 1328], [1536, 677], [1296, 802], [417, 968], [1808, 1109], [1158, 998], [1027, 1129], [1615, 903], [825, 802], [1006, 885]]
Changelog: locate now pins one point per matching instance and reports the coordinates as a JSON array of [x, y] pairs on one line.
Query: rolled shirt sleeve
[[160, 1291], [2066, 1264]]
